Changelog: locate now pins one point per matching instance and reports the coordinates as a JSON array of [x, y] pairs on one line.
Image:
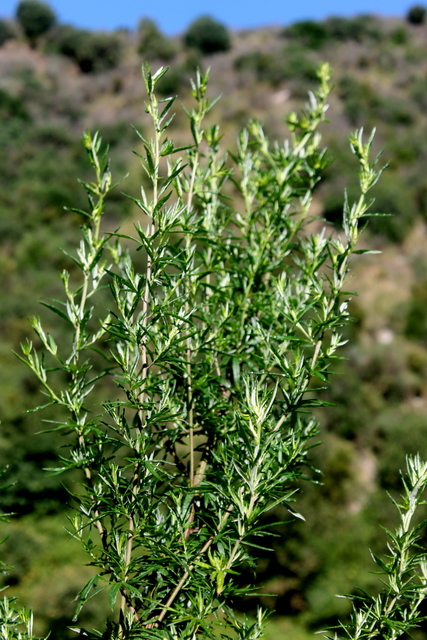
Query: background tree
[[91, 51], [416, 14], [207, 35], [152, 43], [35, 18]]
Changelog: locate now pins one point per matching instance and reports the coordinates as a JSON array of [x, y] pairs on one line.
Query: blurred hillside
[[61, 81]]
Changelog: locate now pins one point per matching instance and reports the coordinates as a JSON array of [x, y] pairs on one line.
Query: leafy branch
[[396, 610]]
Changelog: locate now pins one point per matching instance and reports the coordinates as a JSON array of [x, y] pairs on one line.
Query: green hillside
[[57, 84]]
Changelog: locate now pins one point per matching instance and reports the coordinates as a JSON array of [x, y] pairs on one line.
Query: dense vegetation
[[49, 93]]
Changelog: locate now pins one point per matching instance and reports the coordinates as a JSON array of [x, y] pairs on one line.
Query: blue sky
[[173, 16]]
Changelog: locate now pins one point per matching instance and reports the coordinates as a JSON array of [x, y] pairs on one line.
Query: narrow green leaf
[[113, 593]]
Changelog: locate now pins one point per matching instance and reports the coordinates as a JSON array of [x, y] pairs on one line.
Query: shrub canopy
[[207, 35], [35, 18], [416, 14], [91, 51], [152, 43]]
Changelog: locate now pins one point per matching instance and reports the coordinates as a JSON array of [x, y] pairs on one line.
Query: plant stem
[[129, 544], [190, 408], [186, 573]]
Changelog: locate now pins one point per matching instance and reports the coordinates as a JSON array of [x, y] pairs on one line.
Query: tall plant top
[[224, 305]]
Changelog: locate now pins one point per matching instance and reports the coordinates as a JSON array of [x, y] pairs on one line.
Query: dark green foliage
[[404, 150], [409, 429], [416, 14], [399, 35], [35, 18], [39, 165], [358, 29], [316, 35], [310, 33], [92, 51], [416, 321], [290, 64], [397, 609], [20, 552], [395, 111], [26, 459], [356, 402], [7, 31], [153, 44], [172, 82], [376, 381], [332, 203], [386, 369], [393, 197], [192, 61], [263, 65], [359, 98], [297, 65], [12, 107], [207, 35], [362, 102], [418, 91]]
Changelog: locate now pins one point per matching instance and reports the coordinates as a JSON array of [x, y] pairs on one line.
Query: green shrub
[[416, 321], [316, 34], [92, 52], [394, 111], [311, 34], [207, 35], [171, 83], [406, 149], [290, 64], [63, 39], [12, 107], [393, 197], [418, 91], [261, 64], [356, 402], [20, 552], [7, 31], [192, 61], [359, 28], [32, 491], [152, 43], [35, 18], [297, 65], [409, 429], [360, 100], [399, 35], [416, 14]]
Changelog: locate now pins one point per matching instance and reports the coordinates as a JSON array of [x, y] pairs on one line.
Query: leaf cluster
[[396, 610]]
